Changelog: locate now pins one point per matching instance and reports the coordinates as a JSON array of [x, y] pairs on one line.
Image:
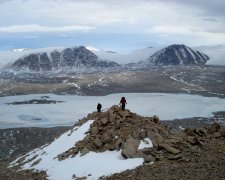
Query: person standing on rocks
[[123, 102], [99, 107]]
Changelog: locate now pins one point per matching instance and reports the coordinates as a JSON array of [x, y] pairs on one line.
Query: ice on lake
[[165, 106]]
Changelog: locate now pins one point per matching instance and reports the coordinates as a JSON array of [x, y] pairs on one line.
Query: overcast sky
[[119, 25]]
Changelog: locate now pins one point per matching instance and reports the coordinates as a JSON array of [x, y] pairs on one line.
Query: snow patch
[[145, 143], [92, 165]]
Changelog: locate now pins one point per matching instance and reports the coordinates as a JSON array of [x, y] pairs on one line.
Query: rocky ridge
[[166, 149], [124, 131]]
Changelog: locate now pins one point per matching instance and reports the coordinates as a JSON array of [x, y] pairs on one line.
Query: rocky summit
[[125, 131], [189, 154]]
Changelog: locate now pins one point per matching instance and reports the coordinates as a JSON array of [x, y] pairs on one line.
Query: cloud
[[148, 19], [38, 28]]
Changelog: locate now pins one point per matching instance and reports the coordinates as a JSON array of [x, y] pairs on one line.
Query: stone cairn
[[123, 131]]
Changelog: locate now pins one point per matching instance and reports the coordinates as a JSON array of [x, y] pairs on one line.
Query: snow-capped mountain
[[176, 55], [59, 59], [53, 58]]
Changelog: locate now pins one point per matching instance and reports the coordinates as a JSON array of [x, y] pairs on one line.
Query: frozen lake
[[165, 106]]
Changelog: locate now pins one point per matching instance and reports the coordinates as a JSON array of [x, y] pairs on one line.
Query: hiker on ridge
[[99, 107], [123, 102]]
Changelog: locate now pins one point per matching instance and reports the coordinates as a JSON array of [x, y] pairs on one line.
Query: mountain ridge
[[56, 60], [53, 59]]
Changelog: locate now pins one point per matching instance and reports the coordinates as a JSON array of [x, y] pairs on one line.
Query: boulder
[[130, 147], [169, 148], [84, 151], [158, 138], [142, 134], [135, 134], [112, 117], [151, 136], [97, 143], [94, 130], [124, 113], [191, 139], [104, 120], [217, 135], [118, 144], [174, 157], [106, 139], [149, 159], [216, 127]]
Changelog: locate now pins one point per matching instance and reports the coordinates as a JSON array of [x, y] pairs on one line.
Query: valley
[[201, 80]]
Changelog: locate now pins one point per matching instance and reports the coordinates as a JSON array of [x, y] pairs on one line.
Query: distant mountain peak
[[67, 58], [176, 55]]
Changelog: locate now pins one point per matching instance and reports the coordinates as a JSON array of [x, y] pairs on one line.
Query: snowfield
[[165, 106], [92, 165]]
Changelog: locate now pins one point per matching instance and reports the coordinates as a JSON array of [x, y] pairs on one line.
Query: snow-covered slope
[[216, 54], [132, 57], [91, 165]]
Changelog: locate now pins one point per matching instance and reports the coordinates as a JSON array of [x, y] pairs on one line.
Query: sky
[[117, 25]]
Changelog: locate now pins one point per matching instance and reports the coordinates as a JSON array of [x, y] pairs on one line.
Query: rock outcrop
[[124, 131]]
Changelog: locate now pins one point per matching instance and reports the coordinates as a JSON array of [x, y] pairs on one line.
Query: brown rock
[[106, 139], [217, 135], [169, 148], [216, 127], [148, 159], [130, 147], [193, 140], [84, 151], [142, 134], [118, 144], [112, 116], [135, 134], [94, 130], [104, 120], [174, 157], [124, 113], [189, 132], [151, 136], [158, 139], [97, 143]]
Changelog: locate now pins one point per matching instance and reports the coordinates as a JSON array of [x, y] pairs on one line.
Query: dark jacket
[[123, 100]]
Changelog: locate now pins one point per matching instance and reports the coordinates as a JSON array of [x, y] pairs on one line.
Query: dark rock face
[[67, 58], [176, 55]]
